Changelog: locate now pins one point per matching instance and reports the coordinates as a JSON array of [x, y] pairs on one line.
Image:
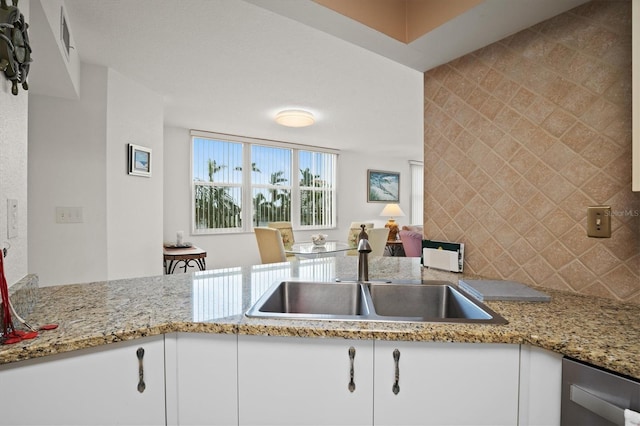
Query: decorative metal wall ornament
[[15, 51]]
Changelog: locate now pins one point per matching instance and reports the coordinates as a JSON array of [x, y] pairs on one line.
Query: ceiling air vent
[[65, 36]]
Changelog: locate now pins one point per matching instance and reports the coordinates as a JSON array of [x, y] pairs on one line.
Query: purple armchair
[[411, 237]]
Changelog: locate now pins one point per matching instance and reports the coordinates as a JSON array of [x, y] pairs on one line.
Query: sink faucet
[[363, 255]]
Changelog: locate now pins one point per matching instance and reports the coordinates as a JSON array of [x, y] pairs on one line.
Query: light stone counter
[[599, 331]]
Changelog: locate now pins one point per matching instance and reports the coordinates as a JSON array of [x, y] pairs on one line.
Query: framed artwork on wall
[[383, 187], [139, 160]]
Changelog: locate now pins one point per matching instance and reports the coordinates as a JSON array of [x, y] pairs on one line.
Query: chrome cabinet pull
[[352, 356], [596, 405], [396, 359], [140, 355]]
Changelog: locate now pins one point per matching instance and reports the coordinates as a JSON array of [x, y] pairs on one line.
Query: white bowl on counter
[[319, 239]]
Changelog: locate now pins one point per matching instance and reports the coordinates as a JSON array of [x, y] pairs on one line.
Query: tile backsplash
[[521, 137]]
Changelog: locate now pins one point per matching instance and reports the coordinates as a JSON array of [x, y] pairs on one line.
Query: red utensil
[[9, 334], [48, 327]]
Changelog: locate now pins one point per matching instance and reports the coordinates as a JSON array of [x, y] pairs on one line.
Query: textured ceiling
[[228, 65]]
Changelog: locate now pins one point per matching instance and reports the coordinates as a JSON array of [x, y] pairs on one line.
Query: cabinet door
[[205, 390], [446, 384], [304, 381], [540, 387], [97, 386]]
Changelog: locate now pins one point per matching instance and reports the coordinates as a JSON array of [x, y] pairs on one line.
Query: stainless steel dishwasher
[[592, 396]]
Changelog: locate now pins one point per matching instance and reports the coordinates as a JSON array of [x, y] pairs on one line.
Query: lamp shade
[[295, 118], [392, 210]]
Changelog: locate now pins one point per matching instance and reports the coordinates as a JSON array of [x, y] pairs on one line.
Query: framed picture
[[383, 187], [139, 160]]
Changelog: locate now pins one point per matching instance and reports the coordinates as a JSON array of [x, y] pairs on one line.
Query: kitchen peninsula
[[599, 331]]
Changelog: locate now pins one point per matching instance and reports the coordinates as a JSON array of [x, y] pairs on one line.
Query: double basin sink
[[429, 301]]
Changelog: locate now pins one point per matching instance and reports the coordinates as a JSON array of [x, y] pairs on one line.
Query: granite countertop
[[599, 331]]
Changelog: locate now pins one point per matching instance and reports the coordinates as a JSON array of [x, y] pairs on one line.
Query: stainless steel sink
[[318, 300], [431, 301]]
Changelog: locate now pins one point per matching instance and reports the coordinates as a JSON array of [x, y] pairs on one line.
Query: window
[[270, 184], [317, 189], [217, 184], [240, 183]]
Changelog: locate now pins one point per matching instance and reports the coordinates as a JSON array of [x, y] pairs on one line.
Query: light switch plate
[[69, 215], [599, 221]]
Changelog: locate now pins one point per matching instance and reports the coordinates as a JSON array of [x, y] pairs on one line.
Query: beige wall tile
[[521, 137]]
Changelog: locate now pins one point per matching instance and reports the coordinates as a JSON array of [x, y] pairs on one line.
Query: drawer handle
[[596, 405], [140, 355], [396, 359], [352, 356]]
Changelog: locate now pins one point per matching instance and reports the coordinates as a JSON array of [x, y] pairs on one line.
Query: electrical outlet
[[12, 218], [599, 221]]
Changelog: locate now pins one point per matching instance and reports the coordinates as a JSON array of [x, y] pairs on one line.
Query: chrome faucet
[[363, 255]]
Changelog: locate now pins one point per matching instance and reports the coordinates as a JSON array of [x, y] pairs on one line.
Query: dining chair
[[411, 242], [270, 245], [286, 232], [354, 231], [378, 240]]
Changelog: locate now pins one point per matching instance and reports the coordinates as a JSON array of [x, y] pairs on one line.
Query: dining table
[[313, 250]]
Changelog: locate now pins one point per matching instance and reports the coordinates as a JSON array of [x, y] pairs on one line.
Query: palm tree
[[254, 168], [280, 200], [261, 208], [277, 206], [308, 179], [215, 207], [213, 168], [312, 203], [276, 179]]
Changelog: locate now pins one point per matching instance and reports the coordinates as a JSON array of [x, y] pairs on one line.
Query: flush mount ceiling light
[[295, 118]]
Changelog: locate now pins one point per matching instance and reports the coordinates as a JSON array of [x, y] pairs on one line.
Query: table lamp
[[392, 211]]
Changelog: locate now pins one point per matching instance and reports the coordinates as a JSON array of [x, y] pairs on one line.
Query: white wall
[[13, 171], [227, 250], [134, 203], [54, 72], [352, 195], [78, 158], [67, 168]]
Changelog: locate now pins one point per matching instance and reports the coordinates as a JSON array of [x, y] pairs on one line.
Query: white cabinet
[[97, 386], [295, 381], [446, 384], [540, 387], [304, 381], [219, 379], [202, 384]]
